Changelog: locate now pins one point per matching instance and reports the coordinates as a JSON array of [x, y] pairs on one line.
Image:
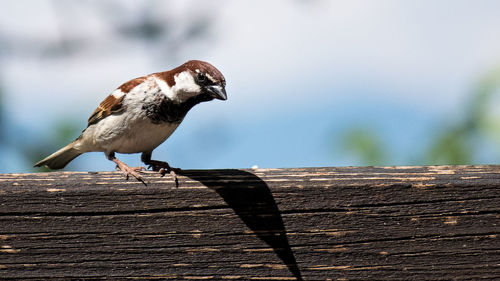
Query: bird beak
[[217, 92]]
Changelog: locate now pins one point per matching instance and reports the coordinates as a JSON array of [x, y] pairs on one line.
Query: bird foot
[[133, 171], [163, 168]]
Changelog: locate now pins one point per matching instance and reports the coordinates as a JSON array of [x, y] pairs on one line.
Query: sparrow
[[141, 114]]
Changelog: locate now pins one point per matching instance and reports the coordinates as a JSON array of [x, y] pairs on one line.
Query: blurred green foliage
[[365, 144], [456, 143], [452, 146]]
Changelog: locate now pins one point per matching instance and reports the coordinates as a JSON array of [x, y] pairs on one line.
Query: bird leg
[[126, 169], [160, 166]]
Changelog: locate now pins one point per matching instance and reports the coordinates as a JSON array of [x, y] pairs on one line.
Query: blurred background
[[310, 83]]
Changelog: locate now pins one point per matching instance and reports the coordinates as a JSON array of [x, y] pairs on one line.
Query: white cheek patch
[[185, 86], [184, 81]]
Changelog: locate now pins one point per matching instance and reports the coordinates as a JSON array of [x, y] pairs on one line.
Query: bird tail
[[61, 158]]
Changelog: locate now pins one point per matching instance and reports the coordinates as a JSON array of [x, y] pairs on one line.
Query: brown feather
[[128, 86], [108, 106]]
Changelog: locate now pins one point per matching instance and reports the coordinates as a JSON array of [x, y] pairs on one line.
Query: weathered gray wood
[[412, 223]]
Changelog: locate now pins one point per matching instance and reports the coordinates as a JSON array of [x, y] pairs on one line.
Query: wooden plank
[[411, 223]]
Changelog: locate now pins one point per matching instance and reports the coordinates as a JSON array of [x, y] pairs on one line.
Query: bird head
[[196, 79]]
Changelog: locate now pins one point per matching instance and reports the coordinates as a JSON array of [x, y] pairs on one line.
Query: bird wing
[[114, 102], [108, 106]]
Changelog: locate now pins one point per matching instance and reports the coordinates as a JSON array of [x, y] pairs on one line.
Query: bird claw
[[172, 173], [162, 172], [163, 168], [134, 171]]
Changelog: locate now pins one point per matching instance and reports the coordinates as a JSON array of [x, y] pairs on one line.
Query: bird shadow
[[250, 198]]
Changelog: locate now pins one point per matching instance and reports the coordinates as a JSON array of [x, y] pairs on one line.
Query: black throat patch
[[162, 109]]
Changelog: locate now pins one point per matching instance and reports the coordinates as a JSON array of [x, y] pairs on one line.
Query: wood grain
[[349, 223]]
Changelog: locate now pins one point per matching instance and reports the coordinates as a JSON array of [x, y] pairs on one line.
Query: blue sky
[[298, 75]]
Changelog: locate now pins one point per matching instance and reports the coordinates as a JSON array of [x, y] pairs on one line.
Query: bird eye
[[201, 78]]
